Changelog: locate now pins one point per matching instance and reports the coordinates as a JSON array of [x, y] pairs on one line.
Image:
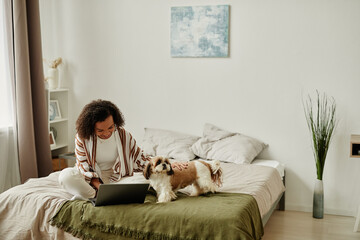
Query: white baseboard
[[332, 211]]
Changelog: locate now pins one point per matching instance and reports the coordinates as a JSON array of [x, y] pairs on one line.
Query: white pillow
[[166, 143], [230, 147], [214, 133]]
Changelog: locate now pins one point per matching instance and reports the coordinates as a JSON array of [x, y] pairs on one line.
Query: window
[[5, 90]]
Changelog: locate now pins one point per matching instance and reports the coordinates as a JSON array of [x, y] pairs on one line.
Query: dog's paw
[[173, 195], [164, 198], [194, 194]]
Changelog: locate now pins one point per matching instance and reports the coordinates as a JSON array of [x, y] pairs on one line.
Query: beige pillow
[[218, 144], [214, 133], [166, 143]]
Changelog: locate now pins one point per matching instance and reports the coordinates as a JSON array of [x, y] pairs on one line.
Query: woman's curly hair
[[97, 111]]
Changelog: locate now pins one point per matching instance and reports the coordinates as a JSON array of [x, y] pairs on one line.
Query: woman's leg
[[74, 182]]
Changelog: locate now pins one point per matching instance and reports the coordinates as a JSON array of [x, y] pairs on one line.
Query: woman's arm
[[83, 163], [139, 157], [180, 165], [95, 182], [135, 153]]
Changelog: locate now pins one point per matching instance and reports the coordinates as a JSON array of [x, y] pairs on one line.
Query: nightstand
[[58, 164], [70, 158]]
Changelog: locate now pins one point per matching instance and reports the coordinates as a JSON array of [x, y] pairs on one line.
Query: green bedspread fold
[[213, 216]]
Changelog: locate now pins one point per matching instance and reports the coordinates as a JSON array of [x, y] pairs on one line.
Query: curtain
[[22, 21], [9, 166]]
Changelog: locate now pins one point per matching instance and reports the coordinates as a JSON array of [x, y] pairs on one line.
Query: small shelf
[[58, 146], [59, 126], [58, 120], [59, 90], [355, 146]]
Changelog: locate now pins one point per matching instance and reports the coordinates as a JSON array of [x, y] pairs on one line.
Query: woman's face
[[104, 129]]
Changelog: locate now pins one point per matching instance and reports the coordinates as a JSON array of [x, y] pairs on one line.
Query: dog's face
[[158, 165]]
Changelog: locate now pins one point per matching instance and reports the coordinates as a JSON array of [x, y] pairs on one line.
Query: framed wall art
[[54, 110], [200, 31], [52, 139]]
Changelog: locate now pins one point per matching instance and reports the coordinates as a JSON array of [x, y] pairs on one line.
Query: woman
[[105, 151]]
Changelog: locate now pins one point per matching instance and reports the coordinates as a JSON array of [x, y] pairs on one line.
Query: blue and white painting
[[201, 31]]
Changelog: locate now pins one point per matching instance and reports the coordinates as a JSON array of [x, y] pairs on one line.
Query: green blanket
[[213, 216]]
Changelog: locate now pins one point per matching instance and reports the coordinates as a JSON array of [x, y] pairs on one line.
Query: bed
[[27, 210]]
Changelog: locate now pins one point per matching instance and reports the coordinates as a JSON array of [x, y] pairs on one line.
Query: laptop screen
[[113, 194]]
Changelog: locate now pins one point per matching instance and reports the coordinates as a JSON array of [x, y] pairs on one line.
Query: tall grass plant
[[320, 113]]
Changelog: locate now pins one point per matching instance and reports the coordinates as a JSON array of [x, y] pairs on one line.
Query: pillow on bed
[[218, 144], [166, 143]]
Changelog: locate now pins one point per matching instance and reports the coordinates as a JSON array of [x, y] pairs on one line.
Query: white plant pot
[[53, 78], [318, 200], [46, 85]]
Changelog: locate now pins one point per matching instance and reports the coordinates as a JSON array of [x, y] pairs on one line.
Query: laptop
[[121, 193]]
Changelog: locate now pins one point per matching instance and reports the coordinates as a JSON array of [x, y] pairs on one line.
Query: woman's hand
[[180, 165], [96, 183]]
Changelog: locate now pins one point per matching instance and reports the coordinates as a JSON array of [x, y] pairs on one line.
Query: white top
[[106, 152]]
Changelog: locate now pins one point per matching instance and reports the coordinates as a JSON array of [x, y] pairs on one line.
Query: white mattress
[[280, 167]]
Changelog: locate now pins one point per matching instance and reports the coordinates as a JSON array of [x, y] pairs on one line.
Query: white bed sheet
[[261, 181]]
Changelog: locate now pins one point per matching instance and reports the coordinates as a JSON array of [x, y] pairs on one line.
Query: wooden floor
[[291, 225]]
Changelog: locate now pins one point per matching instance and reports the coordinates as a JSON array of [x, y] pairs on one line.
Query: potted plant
[[53, 73], [321, 119]]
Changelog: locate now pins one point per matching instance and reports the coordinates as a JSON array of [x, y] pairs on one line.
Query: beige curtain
[[25, 58]]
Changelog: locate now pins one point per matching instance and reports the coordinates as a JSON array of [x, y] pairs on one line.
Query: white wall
[[280, 50]]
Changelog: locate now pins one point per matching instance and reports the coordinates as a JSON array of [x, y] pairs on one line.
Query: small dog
[[205, 177]]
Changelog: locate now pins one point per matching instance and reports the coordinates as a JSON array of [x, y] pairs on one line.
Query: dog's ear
[[147, 171], [171, 172]]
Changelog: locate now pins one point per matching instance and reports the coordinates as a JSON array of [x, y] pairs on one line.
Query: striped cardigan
[[131, 158]]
